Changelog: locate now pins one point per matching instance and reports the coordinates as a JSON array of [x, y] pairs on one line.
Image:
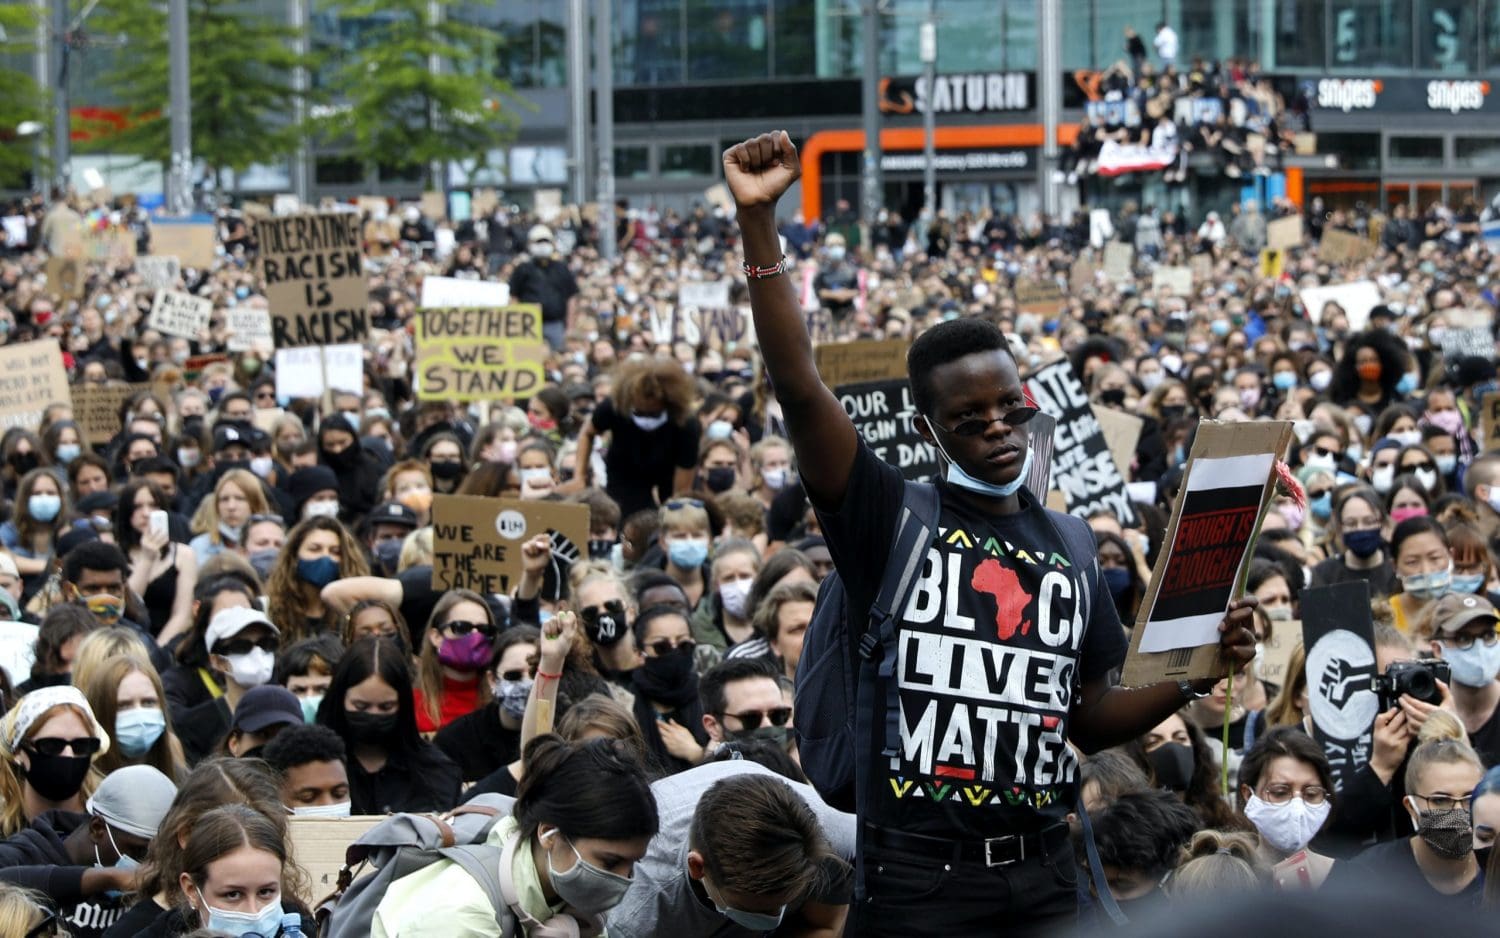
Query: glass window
[[687, 159], [726, 40], [1423, 152], [338, 170], [838, 38], [1371, 34], [1355, 151], [632, 162], [1220, 29], [1448, 36], [1300, 29], [648, 44], [793, 39], [1477, 151]]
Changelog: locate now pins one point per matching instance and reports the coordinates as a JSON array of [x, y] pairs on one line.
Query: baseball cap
[[392, 513], [227, 623], [264, 706], [226, 435], [1456, 610]]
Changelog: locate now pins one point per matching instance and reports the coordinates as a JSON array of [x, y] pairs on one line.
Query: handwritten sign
[[455, 292], [1489, 420], [31, 378], [320, 845], [180, 314], [249, 328], [479, 354], [1122, 432], [192, 243], [308, 372], [313, 267], [1284, 640], [841, 363], [1272, 263], [1119, 258], [1178, 281], [1356, 299], [158, 271], [96, 407], [1284, 233], [67, 277], [1039, 295], [1343, 247], [477, 541], [1083, 468], [882, 412]]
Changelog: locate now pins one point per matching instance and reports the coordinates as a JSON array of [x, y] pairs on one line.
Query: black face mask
[[367, 727], [667, 679], [23, 463], [1173, 411], [446, 471], [1172, 763], [348, 458], [1113, 397], [600, 548], [606, 626], [56, 778], [719, 479]]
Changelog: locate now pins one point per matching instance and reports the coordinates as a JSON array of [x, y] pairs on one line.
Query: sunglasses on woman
[[54, 745], [665, 646], [243, 646], [458, 629]]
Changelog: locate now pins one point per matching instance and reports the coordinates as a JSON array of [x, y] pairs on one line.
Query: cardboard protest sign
[[1283, 234], [249, 328], [484, 202], [1356, 299], [180, 314], [718, 194], [1119, 258], [1341, 670], [374, 206], [1177, 281], [313, 266], [547, 203], [18, 649], [1081, 274], [820, 327], [858, 362], [96, 407], [1344, 247], [192, 243], [1083, 468], [882, 412], [477, 541], [454, 292], [1226, 491], [15, 230], [308, 372], [158, 271], [1489, 420], [705, 318], [109, 245], [1122, 432], [1470, 334], [67, 277], [1272, 263], [1202, 267], [320, 845], [434, 206], [31, 377], [1283, 642], [479, 354], [1039, 295]]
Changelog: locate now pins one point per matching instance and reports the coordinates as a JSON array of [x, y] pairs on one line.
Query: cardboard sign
[[1272, 262], [320, 845], [484, 202], [313, 267], [1343, 247], [109, 246], [859, 362], [67, 277], [374, 206], [308, 372], [1283, 642], [1083, 468], [1340, 672], [547, 203], [1226, 491], [158, 271], [249, 328], [1177, 281], [1283, 234], [1119, 259], [1202, 266], [434, 206], [1489, 420], [1477, 342], [453, 292], [1122, 432], [1356, 298], [96, 407], [718, 194], [1039, 295], [31, 378], [180, 314], [192, 243], [477, 541], [479, 354], [882, 412], [1081, 274]]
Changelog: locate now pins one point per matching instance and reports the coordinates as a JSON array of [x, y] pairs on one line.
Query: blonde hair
[[593, 571], [1442, 741], [21, 910], [1283, 710], [416, 549], [12, 799], [102, 691], [206, 518], [687, 517], [1215, 863], [758, 451], [388, 481], [98, 649]]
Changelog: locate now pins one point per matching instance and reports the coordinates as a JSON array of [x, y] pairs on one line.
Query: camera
[[1417, 678]]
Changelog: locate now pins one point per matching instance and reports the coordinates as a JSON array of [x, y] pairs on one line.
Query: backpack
[[836, 688]]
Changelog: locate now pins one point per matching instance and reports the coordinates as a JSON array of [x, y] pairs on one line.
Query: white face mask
[[1383, 477], [541, 249], [252, 669], [262, 466], [324, 509], [1287, 827], [188, 458], [538, 478], [1407, 437], [341, 809], [775, 479], [735, 595], [1320, 380]]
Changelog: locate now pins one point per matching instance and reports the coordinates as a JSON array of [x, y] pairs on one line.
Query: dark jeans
[[910, 895]]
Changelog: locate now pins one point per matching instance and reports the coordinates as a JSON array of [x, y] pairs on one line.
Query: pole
[[180, 175], [42, 72], [578, 88], [929, 118], [604, 126], [870, 170], [437, 171], [297, 19], [62, 130], [1049, 89]]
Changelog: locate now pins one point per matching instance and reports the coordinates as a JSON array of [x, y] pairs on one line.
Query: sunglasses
[[665, 646], [458, 629], [54, 745], [243, 646], [1413, 467], [48, 927], [1319, 494], [677, 504], [1015, 417], [752, 719], [277, 519], [516, 675], [590, 614]]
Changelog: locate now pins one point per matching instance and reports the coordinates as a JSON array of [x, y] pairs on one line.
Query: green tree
[[22, 100], [241, 67], [394, 110]]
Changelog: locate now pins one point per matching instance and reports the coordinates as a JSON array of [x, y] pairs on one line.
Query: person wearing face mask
[[1435, 867], [1287, 792], [445, 460], [535, 471], [162, 572], [386, 528], [1360, 528], [94, 576], [456, 648], [358, 471], [742, 700], [314, 491], [742, 851], [489, 737], [318, 552], [37, 520], [722, 620], [309, 759], [838, 281], [88, 861], [719, 466], [770, 468], [667, 706], [370, 704], [242, 645], [544, 279], [1140, 836], [1177, 758], [47, 744], [127, 697], [1424, 564], [653, 451], [583, 816], [1462, 630]]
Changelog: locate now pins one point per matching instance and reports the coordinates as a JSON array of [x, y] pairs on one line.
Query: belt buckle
[[990, 862]]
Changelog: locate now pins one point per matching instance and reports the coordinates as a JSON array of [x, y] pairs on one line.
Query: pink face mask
[[466, 653], [1449, 420], [1293, 515], [1399, 515]]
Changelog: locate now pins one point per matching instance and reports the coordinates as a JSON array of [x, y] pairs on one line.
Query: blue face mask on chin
[[961, 479]]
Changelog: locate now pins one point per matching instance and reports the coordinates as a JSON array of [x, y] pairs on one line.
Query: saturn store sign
[[981, 93]]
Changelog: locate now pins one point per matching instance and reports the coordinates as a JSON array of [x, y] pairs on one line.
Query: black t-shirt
[[548, 284], [641, 462], [479, 743], [1486, 740], [785, 515], [417, 600], [1394, 863], [1382, 578], [992, 649]]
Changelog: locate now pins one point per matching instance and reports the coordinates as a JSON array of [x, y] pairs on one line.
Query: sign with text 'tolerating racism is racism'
[[313, 267]]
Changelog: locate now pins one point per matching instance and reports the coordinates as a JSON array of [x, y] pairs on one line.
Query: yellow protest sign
[[473, 354]]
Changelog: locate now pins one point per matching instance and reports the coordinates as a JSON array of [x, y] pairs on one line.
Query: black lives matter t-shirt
[[992, 647]]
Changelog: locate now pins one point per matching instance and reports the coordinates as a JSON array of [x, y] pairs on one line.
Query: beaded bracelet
[[761, 273]]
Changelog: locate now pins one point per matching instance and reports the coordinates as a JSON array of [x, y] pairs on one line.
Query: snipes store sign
[[1408, 95], [1457, 96]]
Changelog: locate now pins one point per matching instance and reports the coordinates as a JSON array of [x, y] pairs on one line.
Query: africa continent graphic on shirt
[[987, 651]]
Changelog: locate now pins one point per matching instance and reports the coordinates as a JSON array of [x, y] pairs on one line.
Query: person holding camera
[[1463, 630]]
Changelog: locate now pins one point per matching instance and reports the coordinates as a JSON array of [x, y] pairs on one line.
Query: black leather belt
[[991, 852]]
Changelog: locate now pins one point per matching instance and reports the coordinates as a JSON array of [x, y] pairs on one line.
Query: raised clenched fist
[[759, 170]]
